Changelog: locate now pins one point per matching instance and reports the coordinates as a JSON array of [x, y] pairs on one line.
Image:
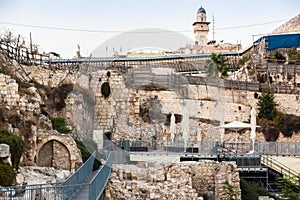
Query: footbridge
[[180, 62]]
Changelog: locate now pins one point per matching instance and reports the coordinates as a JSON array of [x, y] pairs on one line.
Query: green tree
[[15, 146], [7, 174], [211, 68], [221, 63], [290, 187], [267, 106]]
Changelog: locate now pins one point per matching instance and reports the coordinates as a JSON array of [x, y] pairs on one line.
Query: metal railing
[[65, 190], [265, 148], [210, 147], [75, 181], [36, 191], [277, 166], [168, 147], [98, 183]]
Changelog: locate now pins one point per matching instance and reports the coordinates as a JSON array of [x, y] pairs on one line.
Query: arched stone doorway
[[54, 154]]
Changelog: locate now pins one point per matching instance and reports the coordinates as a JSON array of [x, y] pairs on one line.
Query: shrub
[[277, 120], [271, 134], [243, 60], [250, 192], [289, 124], [105, 89], [15, 144], [290, 187], [60, 124], [277, 56], [7, 174], [231, 191], [85, 154], [294, 56], [56, 97]]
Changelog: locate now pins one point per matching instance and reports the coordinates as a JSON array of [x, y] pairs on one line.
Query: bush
[[60, 124], [294, 57], [56, 96], [250, 192], [290, 187], [85, 154], [277, 56], [243, 60], [231, 191], [7, 174], [15, 145]]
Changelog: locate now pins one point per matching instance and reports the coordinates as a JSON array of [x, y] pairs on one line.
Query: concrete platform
[[155, 158], [291, 162]]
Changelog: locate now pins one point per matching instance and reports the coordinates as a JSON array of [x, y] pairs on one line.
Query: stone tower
[[201, 27]]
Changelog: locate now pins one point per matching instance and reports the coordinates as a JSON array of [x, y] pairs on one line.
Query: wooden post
[[232, 93], [31, 47], [268, 76], [295, 82], [17, 49]]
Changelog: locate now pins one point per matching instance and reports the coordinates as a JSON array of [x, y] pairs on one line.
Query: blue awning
[[281, 41]]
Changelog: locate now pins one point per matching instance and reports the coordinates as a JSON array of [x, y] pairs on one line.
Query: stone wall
[[44, 76], [21, 103], [120, 114], [186, 180], [8, 91]]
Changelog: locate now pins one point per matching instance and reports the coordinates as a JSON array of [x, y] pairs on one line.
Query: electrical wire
[[118, 31]]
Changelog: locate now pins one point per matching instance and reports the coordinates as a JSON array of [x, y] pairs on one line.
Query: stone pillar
[[98, 138], [5, 153]]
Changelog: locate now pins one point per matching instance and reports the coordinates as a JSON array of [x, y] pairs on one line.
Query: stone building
[[201, 28], [202, 43]]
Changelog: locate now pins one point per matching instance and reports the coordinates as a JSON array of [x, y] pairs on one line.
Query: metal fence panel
[[73, 183], [98, 183]]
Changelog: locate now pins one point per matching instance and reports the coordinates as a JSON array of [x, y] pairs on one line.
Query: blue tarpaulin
[[281, 41]]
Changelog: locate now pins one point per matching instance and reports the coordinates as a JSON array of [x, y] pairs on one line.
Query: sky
[[97, 21]]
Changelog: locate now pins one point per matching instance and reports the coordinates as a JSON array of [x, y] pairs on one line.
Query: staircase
[[277, 166]]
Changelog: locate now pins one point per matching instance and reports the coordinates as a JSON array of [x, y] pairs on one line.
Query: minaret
[[201, 27]]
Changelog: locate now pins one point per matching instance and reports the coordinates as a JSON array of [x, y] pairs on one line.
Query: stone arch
[[58, 151], [54, 154]]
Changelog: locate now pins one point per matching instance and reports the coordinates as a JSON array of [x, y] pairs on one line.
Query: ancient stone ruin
[[187, 180]]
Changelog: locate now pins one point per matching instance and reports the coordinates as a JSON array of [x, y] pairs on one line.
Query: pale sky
[[112, 17]]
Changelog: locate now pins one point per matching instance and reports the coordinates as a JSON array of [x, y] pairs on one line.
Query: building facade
[[201, 27]]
